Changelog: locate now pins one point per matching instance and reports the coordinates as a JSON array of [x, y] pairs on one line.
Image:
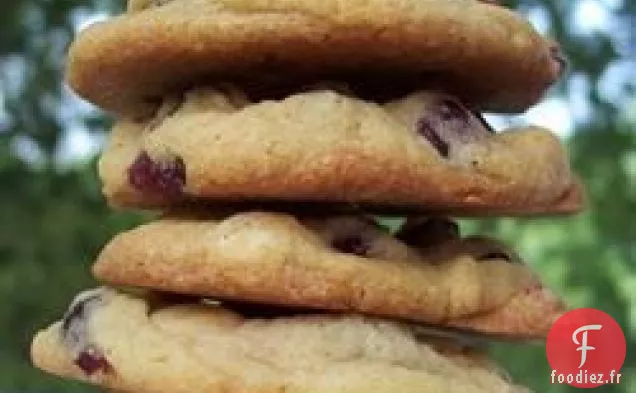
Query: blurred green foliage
[[53, 219]]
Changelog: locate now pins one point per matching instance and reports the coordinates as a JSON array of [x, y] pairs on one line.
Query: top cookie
[[483, 53]]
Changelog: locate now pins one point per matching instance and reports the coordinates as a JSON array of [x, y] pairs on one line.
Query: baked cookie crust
[[130, 343], [484, 53], [424, 152], [339, 264]]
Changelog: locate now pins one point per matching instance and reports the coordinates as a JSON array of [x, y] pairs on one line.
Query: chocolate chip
[[74, 321], [91, 361], [428, 232], [427, 130], [352, 244], [447, 123], [451, 110], [75, 332], [77, 311], [164, 178]]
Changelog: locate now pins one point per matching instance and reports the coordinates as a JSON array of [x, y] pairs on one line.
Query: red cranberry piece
[[90, 362], [164, 178], [428, 232], [352, 244]]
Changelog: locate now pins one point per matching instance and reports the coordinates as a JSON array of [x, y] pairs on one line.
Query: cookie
[[127, 343], [482, 52], [340, 264], [424, 152]]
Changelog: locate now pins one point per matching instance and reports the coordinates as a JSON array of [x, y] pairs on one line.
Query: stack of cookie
[[271, 134]]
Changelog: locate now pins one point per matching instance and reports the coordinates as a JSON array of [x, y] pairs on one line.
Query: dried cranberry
[[164, 178], [352, 244], [428, 232], [90, 362]]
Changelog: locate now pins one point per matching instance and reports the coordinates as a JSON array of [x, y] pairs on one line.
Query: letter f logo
[[584, 347]]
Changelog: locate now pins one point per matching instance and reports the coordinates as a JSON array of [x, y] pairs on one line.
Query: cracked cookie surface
[[484, 53], [426, 151], [339, 264], [191, 346]]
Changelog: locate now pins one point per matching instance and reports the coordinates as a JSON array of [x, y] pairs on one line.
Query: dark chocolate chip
[[352, 244], [428, 232], [451, 110], [73, 322], [77, 311], [164, 178], [427, 130], [448, 123], [91, 361]]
